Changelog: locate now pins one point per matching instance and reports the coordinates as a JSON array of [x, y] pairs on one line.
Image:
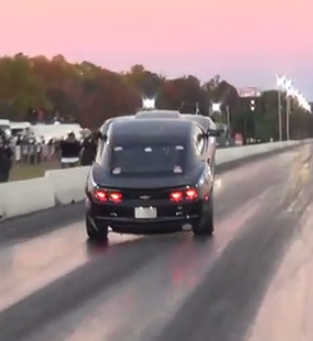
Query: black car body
[[158, 114], [206, 124], [152, 174], [106, 125]]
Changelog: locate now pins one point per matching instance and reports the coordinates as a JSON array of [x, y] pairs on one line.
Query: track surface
[[253, 281]]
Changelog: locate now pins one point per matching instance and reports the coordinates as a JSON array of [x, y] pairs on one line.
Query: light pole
[[228, 118], [148, 103], [284, 84], [216, 108], [280, 83], [288, 113], [289, 94], [280, 128]]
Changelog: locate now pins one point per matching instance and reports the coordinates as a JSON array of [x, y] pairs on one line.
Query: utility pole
[[288, 112], [280, 128]]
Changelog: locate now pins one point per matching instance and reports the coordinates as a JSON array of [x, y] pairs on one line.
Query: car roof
[[151, 130], [204, 121], [105, 126], [163, 115], [158, 114]]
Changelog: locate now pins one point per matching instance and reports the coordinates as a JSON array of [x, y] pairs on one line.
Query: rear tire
[[205, 226], [98, 233]]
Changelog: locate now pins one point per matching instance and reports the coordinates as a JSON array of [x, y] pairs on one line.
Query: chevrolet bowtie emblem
[[145, 197]]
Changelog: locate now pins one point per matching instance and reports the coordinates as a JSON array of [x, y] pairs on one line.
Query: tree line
[[90, 94]]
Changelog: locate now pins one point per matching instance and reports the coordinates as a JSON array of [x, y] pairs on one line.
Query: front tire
[[205, 226], [96, 231]]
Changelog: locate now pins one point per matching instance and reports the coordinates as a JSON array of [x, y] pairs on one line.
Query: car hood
[[103, 179]]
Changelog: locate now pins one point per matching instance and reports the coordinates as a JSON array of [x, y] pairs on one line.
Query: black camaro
[[152, 174]]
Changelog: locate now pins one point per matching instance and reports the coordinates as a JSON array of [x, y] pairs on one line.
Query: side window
[[99, 151], [102, 143], [199, 141]]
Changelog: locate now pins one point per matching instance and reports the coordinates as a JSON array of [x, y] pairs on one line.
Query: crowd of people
[[71, 151]]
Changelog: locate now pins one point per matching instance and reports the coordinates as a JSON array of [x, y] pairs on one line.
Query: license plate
[[145, 213]]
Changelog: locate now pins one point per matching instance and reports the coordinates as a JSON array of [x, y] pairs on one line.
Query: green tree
[[91, 94], [19, 87]]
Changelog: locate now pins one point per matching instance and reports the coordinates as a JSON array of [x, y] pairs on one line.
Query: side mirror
[[102, 137], [214, 132]]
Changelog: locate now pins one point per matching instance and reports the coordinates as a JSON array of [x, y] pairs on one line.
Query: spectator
[[2, 135], [39, 147], [18, 150], [51, 149], [89, 150], [5, 160], [25, 149], [70, 149], [32, 151]]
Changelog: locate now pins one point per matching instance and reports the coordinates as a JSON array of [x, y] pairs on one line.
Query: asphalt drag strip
[[165, 287], [28, 263]]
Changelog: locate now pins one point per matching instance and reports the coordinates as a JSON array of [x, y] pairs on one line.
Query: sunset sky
[[246, 41]]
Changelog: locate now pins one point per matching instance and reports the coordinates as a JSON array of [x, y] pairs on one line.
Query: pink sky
[[246, 41]]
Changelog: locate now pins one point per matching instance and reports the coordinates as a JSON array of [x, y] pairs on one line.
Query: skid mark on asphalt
[[287, 310], [32, 265], [142, 285], [28, 266], [153, 295], [75, 288], [237, 283]]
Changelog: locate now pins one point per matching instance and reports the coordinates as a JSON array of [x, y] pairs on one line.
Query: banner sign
[[249, 92]]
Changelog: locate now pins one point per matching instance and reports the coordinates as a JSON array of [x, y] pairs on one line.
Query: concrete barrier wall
[[60, 187], [27, 196], [67, 184]]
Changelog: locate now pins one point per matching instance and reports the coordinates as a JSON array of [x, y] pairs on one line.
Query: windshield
[[153, 159]]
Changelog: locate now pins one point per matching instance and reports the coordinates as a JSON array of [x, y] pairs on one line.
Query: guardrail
[[66, 186]]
